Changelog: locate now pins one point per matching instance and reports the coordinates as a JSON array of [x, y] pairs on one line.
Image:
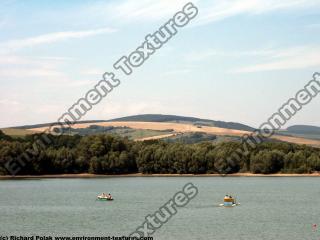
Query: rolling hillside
[[188, 128], [157, 126], [304, 129], [158, 118], [182, 119]]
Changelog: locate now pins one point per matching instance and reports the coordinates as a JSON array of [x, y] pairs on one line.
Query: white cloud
[[292, 58], [222, 9], [132, 10], [79, 83], [209, 11], [52, 37], [30, 72], [92, 71], [146, 9], [209, 53], [10, 102], [6, 60], [298, 57], [23, 66]]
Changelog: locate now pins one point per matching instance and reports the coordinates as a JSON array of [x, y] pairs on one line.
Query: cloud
[[10, 102], [209, 11], [151, 10], [30, 72], [292, 58], [271, 59], [92, 71], [222, 9], [79, 83], [132, 10], [209, 53], [52, 37], [23, 66], [6, 60], [124, 12]]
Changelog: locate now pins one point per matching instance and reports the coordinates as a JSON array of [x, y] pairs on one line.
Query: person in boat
[[233, 201], [109, 196]]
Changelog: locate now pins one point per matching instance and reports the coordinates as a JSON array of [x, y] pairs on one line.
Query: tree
[[267, 162]]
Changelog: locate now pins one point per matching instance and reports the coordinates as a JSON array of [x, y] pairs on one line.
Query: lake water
[[271, 207]]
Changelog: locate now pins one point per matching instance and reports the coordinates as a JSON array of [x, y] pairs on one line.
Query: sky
[[236, 61]]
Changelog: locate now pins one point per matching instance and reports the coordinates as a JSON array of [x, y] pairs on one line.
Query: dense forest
[[111, 154]]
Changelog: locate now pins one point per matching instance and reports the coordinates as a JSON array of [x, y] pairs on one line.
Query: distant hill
[[54, 123], [156, 126], [183, 119], [304, 129], [160, 118]]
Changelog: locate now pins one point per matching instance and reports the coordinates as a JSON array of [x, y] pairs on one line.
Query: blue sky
[[236, 61]]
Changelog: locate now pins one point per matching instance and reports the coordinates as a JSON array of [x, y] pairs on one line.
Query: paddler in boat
[[232, 199]]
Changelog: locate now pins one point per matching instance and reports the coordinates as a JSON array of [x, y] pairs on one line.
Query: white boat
[[104, 197]]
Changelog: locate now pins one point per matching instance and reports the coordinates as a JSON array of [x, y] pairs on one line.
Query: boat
[[104, 197], [229, 201]]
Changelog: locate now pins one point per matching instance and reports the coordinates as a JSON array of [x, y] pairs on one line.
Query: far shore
[[88, 175]]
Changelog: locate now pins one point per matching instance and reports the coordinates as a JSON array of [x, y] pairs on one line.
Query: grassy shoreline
[[88, 175]]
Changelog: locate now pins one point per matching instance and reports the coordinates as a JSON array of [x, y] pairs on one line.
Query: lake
[[271, 207]]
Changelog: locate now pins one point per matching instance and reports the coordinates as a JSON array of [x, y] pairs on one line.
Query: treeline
[[110, 154]]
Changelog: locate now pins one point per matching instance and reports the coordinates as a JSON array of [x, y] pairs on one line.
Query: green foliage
[[267, 161], [190, 138], [110, 154], [4, 136]]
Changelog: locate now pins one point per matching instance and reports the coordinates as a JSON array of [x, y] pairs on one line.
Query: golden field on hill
[[184, 128]]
